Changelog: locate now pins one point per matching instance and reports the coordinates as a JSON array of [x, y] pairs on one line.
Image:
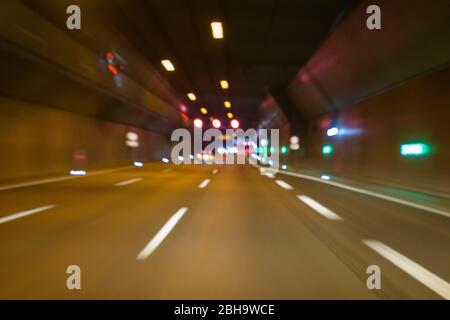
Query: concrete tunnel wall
[[375, 128], [37, 140]]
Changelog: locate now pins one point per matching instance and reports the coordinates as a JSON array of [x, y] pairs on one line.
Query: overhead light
[[235, 124], [217, 30], [198, 123], [295, 140], [224, 84], [230, 115], [204, 111], [192, 96], [227, 104], [216, 123], [168, 65], [183, 108]]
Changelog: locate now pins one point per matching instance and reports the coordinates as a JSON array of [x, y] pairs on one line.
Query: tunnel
[[225, 150]]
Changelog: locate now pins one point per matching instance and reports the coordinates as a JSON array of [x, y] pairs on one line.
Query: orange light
[[230, 115], [204, 111], [113, 69], [227, 104]]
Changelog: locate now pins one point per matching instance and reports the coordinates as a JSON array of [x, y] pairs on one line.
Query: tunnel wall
[[36, 140], [374, 129]]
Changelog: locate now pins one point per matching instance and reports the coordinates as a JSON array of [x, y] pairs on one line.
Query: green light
[[414, 149], [328, 149], [272, 150], [284, 150]]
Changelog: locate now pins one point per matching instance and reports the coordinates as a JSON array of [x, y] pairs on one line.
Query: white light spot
[[161, 235], [319, 208]]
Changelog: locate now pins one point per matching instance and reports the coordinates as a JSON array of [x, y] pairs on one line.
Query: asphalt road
[[206, 232]]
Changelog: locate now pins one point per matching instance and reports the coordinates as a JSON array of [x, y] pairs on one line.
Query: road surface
[[215, 232]]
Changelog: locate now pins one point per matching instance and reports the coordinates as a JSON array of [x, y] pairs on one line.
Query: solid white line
[[204, 184], [284, 185], [128, 182], [369, 193], [215, 171], [161, 235], [57, 179], [327, 213], [25, 213], [427, 278]]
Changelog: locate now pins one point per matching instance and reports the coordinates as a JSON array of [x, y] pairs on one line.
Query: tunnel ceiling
[[265, 44]]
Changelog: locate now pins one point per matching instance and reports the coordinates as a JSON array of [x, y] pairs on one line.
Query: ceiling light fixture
[[217, 30], [192, 96], [227, 104]]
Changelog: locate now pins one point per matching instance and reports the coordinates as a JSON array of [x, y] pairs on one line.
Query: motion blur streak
[[95, 120]]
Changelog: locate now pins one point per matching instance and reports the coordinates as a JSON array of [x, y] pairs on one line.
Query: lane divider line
[[58, 179], [327, 213], [425, 277], [128, 182], [370, 193], [204, 184], [284, 185], [25, 214], [161, 235]]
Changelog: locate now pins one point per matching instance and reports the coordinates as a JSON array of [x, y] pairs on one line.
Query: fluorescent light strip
[[217, 30], [128, 182], [283, 184]]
